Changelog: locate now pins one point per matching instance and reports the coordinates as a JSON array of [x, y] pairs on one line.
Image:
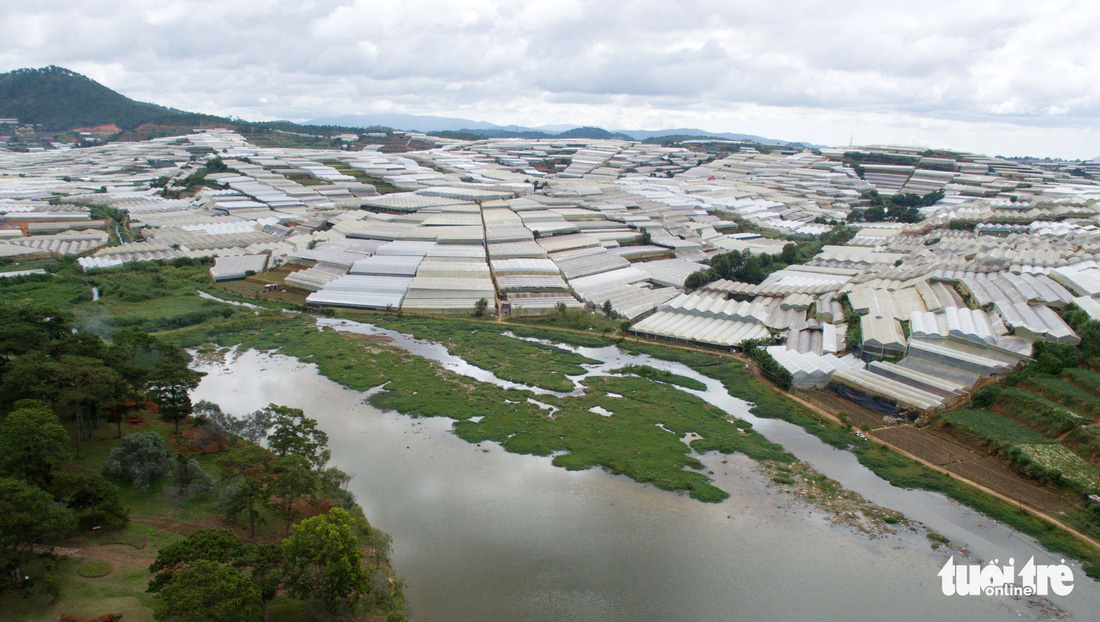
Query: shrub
[[771, 368], [985, 396], [93, 570]]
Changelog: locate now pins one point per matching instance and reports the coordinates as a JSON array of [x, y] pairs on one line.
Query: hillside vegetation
[[60, 99]]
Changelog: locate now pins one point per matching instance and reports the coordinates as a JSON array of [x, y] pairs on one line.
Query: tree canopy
[[323, 559], [294, 434], [32, 443], [28, 516], [206, 591]]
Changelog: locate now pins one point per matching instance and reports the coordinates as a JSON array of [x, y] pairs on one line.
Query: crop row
[[999, 430], [1056, 462]]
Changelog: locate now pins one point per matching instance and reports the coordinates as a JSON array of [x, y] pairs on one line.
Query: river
[[481, 534]]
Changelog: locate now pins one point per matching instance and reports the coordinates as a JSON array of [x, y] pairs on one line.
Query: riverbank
[[484, 534], [874, 453], [629, 443], [895, 468], [768, 403]]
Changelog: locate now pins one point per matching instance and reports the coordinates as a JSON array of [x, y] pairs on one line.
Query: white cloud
[[1022, 75]]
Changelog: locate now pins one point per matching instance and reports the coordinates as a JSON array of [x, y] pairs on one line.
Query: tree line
[[902, 207], [748, 267]]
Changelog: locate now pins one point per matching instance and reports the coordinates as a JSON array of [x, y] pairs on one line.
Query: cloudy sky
[[1008, 78]]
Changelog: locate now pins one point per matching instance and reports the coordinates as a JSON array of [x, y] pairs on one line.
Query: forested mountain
[[61, 99]]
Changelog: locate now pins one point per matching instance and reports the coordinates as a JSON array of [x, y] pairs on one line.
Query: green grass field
[[640, 439], [140, 296], [574, 319], [660, 375], [484, 345]]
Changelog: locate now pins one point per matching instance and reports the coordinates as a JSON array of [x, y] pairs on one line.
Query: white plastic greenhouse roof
[[669, 272], [898, 304], [371, 292], [886, 388], [1082, 278], [524, 265], [925, 382], [1036, 322], [1089, 305], [457, 251], [315, 278], [531, 283], [373, 284], [966, 323], [396, 265], [506, 250], [882, 333], [811, 370], [595, 263], [360, 300], [607, 280], [406, 247], [237, 266], [712, 331], [632, 300]]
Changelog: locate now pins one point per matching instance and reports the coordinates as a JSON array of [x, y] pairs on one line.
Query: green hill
[[61, 99]]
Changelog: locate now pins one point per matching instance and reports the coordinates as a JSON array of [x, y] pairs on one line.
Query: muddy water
[[480, 534]]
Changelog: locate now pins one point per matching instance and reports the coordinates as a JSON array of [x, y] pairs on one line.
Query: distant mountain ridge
[[430, 123]]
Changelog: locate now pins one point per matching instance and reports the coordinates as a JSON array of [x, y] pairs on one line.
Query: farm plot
[[993, 427], [992, 474], [1085, 440], [1057, 459], [1050, 418], [1084, 378], [1067, 394], [835, 404], [938, 451]]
